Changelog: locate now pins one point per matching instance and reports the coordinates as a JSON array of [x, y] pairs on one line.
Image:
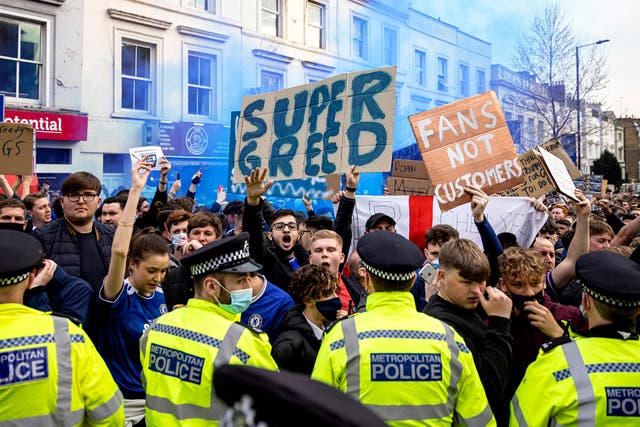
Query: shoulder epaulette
[[337, 321], [75, 320], [555, 342], [255, 331]]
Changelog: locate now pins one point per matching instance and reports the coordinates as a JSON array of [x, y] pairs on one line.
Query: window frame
[[466, 82], [365, 40], [279, 18], [420, 74], [394, 61], [211, 6], [323, 24], [481, 88], [156, 58], [214, 102], [46, 30], [273, 71], [442, 83]]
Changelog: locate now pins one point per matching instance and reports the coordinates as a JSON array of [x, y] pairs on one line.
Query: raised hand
[[140, 173], [479, 200], [256, 186]]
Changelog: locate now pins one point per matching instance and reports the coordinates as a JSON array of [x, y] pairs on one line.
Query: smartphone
[[428, 272], [178, 176]]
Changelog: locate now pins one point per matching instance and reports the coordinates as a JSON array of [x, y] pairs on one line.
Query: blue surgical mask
[[240, 300], [177, 237], [435, 263]]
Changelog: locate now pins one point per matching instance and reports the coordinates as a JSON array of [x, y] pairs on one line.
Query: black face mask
[[329, 308], [519, 300]]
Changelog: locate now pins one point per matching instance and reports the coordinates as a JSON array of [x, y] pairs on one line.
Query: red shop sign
[[59, 127]]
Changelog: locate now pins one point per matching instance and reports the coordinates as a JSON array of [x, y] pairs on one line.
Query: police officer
[[50, 372], [182, 349], [595, 379], [407, 367]]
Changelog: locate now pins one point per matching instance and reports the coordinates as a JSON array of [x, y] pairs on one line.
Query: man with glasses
[[280, 254], [77, 243]]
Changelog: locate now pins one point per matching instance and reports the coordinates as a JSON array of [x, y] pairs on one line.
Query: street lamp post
[[578, 139]]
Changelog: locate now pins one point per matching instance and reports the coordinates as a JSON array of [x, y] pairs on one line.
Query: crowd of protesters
[[118, 266]]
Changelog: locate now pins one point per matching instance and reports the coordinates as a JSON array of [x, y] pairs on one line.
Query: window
[[315, 25], [270, 17], [443, 74], [200, 84], [21, 59], [390, 36], [464, 80], [419, 67], [208, 5], [360, 36], [137, 76], [530, 128], [540, 130], [480, 76], [270, 81]]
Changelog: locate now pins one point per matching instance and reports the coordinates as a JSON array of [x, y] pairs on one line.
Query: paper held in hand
[[154, 152], [559, 173]]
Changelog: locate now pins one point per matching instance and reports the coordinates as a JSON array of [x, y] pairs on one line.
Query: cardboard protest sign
[[467, 143], [409, 186], [414, 169], [603, 190], [537, 180], [562, 180], [154, 152], [16, 140], [319, 129], [554, 147]]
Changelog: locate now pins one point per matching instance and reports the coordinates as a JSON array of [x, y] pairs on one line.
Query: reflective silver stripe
[[455, 367], [480, 420], [183, 411], [63, 358], [410, 412], [75, 418], [517, 411], [352, 348], [107, 409], [582, 382], [228, 345]]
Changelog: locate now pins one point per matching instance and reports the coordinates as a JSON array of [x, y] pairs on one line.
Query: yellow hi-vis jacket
[[587, 382], [179, 354], [407, 367], [51, 374]]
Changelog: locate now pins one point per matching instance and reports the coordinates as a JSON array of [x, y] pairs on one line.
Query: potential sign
[[466, 143], [319, 129], [16, 141]]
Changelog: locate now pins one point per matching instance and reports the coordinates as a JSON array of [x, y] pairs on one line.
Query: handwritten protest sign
[[154, 152], [398, 185], [559, 173], [16, 140], [466, 143], [554, 147], [320, 128], [537, 180]]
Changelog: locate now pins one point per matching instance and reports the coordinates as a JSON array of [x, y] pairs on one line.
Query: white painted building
[[170, 72]]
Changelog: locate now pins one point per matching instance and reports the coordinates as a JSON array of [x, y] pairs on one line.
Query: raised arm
[[252, 218], [627, 233], [120, 247], [344, 214], [490, 243], [6, 188], [564, 272]]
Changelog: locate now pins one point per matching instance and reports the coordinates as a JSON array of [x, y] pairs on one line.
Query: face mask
[[177, 237], [583, 311], [240, 300], [519, 300], [435, 263], [329, 308]]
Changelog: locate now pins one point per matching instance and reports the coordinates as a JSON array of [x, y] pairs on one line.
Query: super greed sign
[[467, 143], [320, 128]]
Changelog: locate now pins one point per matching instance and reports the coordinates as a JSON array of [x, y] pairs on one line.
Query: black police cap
[[229, 255], [308, 403], [610, 278], [389, 255], [377, 218], [21, 253]]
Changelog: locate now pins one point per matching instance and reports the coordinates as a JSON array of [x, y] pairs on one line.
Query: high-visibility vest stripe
[[352, 348], [63, 359], [107, 409], [517, 411], [582, 382]]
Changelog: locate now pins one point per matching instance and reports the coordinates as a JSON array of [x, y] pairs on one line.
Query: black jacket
[[296, 347], [277, 270], [489, 344]]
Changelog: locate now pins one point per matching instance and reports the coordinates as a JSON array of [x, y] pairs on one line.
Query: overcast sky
[[501, 21]]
